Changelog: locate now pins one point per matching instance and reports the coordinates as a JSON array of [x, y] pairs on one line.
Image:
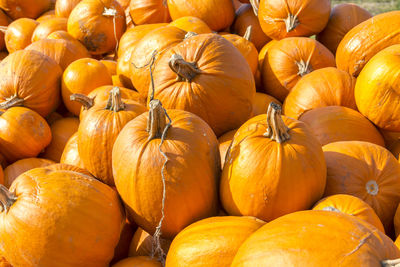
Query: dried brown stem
[[249, 32], [186, 71], [157, 119], [7, 198], [114, 102], [277, 130], [391, 263], [86, 101], [291, 22], [255, 4], [13, 101]]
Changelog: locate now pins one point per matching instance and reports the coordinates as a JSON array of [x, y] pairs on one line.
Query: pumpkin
[[64, 8], [206, 75], [261, 103], [97, 24], [237, 4], [70, 153], [99, 128], [191, 24], [344, 17], [68, 167], [217, 14], [366, 39], [16, 9], [191, 247], [4, 262], [376, 90], [31, 79], [142, 244], [62, 51], [19, 34], [61, 131], [283, 148], [245, 17], [49, 26], [225, 141], [350, 205], [121, 251], [90, 209], [4, 21], [63, 35], [290, 59], [392, 142], [191, 150], [149, 11], [320, 88], [3, 55], [263, 53], [1, 176], [111, 66], [347, 241], [46, 16], [367, 171], [152, 45], [81, 77], [288, 18], [3, 161], [141, 261], [396, 222]]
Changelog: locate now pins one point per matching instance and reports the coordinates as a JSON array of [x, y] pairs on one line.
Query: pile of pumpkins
[[198, 133]]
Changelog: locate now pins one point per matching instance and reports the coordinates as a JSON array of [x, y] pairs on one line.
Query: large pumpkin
[[206, 75], [70, 153], [291, 18], [142, 244], [186, 159], [191, 24], [64, 8], [191, 247], [324, 239], [377, 89], [344, 17], [149, 11], [362, 42], [97, 24], [49, 26], [24, 9], [320, 88], [282, 148], [367, 171], [31, 79], [19, 34], [217, 14], [225, 141], [50, 14], [290, 59], [50, 215], [4, 21]]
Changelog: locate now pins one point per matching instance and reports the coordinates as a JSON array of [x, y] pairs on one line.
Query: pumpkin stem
[[13, 101], [190, 34], [390, 263], [3, 29], [109, 12], [291, 22], [7, 198], [86, 101], [304, 67], [249, 31], [157, 119], [114, 102], [277, 130], [186, 71], [255, 4]]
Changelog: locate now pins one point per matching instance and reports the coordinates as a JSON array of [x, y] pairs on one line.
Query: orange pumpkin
[[263, 53], [122, 249], [191, 172], [217, 14], [16, 9], [142, 244], [261, 103], [111, 66], [289, 18], [64, 8], [1, 176], [321, 88], [46, 16], [350, 205], [43, 199], [344, 17], [142, 261], [191, 24], [392, 142], [376, 90], [68, 167], [225, 141], [81, 77], [367, 171], [49, 26], [283, 148], [4, 262], [206, 75], [290, 59], [149, 11], [3, 55], [70, 153], [396, 222], [366, 39], [19, 34], [97, 24], [4, 21], [31, 79], [191, 247], [346, 241]]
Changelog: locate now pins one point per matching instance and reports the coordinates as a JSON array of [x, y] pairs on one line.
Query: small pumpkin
[[191, 24], [46, 16], [4, 21], [70, 153], [149, 11], [2, 181], [111, 66], [142, 261], [49, 26], [263, 53], [64, 8], [16, 9], [121, 251], [63, 35], [225, 141], [261, 103], [19, 34], [142, 244]]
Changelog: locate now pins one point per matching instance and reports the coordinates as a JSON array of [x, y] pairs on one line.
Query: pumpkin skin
[[16, 9], [288, 18], [61, 131], [90, 23], [191, 24], [49, 26], [67, 167], [367, 171], [225, 141], [261, 103], [19, 34], [149, 11], [81, 77], [4, 21], [396, 222], [263, 53], [347, 242], [217, 14], [365, 40], [31, 78], [267, 190], [290, 59], [4, 262], [46, 16], [350, 205], [222, 98], [320, 88], [70, 153], [344, 17], [191, 247], [122, 249], [376, 92], [142, 244], [94, 219], [111, 66], [142, 261], [158, 40], [64, 8], [334, 123], [192, 150], [392, 142]]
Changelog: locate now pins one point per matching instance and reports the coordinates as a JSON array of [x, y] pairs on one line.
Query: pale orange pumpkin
[[64, 7], [191, 24], [46, 16], [19, 34], [70, 153], [149, 11], [16, 9], [47, 27], [111, 66]]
